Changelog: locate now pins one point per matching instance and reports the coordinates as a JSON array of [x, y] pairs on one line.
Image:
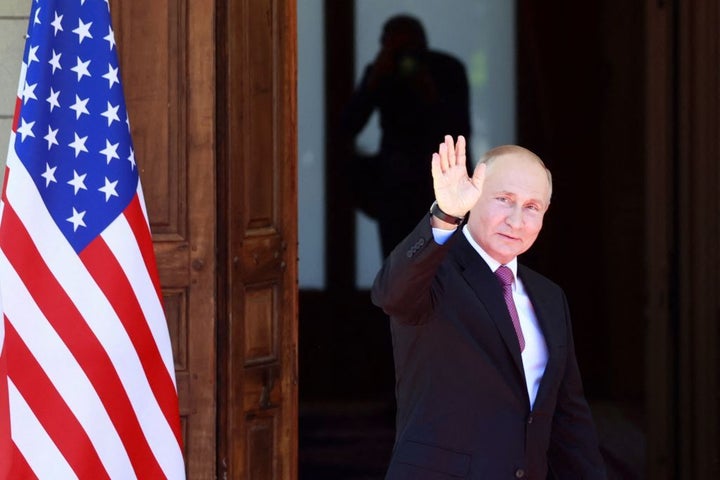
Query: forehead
[[518, 174]]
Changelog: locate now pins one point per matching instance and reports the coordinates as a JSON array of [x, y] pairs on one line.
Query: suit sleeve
[[574, 447], [402, 287]]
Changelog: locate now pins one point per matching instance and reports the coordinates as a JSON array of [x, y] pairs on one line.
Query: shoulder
[[534, 280], [445, 59]]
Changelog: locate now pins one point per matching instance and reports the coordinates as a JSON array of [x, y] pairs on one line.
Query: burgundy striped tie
[[505, 276]]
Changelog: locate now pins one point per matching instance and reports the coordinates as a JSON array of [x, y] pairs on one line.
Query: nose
[[514, 218]]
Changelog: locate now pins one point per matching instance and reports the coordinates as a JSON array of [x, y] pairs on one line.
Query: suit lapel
[[482, 281]]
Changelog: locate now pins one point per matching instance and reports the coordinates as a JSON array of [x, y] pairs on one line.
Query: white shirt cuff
[[441, 235]]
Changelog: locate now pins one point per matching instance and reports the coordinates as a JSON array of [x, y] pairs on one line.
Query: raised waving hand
[[455, 192]]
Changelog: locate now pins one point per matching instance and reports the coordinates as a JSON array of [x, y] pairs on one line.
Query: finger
[[443, 157], [435, 167], [460, 151], [450, 150]]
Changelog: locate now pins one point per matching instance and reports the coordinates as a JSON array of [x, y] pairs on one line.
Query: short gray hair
[[494, 153]]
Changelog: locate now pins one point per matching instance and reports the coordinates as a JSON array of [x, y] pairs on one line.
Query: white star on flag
[[25, 129], [80, 106], [111, 113], [78, 144], [53, 99], [51, 137], [78, 181], [57, 23], [83, 30], [49, 174], [110, 151], [32, 55], [131, 159], [29, 92], [109, 189], [110, 38], [77, 219], [81, 69], [111, 76], [55, 61]]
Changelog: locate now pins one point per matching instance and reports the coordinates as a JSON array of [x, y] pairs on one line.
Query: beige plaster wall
[[13, 25]]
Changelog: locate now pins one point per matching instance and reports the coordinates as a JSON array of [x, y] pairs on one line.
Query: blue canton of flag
[[73, 132]]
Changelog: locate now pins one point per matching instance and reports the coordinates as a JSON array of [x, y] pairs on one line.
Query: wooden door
[[211, 95], [257, 181]]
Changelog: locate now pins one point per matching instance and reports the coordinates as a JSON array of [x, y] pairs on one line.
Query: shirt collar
[[492, 263]]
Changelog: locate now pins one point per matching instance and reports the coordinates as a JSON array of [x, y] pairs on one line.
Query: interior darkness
[[580, 89]]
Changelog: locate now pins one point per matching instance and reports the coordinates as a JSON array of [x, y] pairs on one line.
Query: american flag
[[87, 384]]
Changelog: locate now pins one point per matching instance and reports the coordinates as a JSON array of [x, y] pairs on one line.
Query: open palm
[[455, 192]]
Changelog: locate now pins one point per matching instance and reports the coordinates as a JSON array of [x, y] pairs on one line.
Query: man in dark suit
[[487, 385]]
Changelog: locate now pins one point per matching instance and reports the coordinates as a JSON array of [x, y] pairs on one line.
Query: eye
[[533, 207]]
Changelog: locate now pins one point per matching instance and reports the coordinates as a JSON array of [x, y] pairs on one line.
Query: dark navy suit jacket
[[463, 404]]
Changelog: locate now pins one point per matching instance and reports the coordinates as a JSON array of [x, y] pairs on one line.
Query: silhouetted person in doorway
[[420, 94]]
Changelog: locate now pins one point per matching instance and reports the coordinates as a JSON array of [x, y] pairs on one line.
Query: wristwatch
[[437, 212]]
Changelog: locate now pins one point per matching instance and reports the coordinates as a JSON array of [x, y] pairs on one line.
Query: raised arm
[[402, 287]]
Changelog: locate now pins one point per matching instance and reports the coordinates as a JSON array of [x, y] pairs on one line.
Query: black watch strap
[[437, 212]]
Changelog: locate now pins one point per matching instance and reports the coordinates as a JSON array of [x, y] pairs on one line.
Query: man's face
[[508, 217]]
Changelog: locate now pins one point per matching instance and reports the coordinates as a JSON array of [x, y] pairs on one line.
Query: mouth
[[508, 237]]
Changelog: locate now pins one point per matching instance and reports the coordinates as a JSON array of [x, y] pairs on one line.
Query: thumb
[[479, 176]]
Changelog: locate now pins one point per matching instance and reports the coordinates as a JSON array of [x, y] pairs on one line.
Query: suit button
[[519, 473], [530, 419]]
